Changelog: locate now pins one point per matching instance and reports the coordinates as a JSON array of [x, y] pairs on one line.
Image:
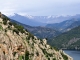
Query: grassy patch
[[1, 27]]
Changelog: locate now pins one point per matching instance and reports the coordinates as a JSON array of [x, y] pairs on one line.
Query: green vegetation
[[10, 23], [5, 19], [18, 28], [63, 40], [27, 55], [5, 30], [64, 56], [54, 58], [20, 57], [56, 49], [14, 53], [15, 30], [46, 53], [30, 36], [48, 58], [43, 32], [37, 53], [1, 27]]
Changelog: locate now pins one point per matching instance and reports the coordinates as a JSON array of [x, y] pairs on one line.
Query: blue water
[[74, 54]]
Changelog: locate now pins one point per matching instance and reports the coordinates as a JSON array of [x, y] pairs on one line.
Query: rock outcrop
[[18, 44]]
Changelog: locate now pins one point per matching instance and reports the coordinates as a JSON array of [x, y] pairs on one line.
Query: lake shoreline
[[75, 54], [71, 49], [69, 57]]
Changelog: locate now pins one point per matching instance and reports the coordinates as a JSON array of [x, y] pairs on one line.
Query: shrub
[[26, 30], [5, 19], [37, 53], [27, 55], [48, 58], [19, 28], [5, 30], [64, 56], [30, 36], [54, 58], [20, 58], [10, 23], [4, 22], [56, 48], [15, 30], [44, 51], [14, 53], [1, 27]]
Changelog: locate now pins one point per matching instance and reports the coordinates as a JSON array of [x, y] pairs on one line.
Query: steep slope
[[43, 32], [73, 25], [65, 25], [68, 40], [18, 44]]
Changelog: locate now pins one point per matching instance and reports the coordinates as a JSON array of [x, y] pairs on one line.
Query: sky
[[40, 7]]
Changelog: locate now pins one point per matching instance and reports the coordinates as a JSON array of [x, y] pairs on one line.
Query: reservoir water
[[74, 54]]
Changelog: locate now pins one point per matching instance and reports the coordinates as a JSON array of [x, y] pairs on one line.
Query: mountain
[[60, 26], [52, 18], [26, 20], [68, 40], [63, 22], [73, 25], [43, 32], [39, 19], [65, 25], [45, 19], [18, 44], [40, 32]]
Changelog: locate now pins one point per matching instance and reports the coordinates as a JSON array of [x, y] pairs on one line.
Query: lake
[[74, 54]]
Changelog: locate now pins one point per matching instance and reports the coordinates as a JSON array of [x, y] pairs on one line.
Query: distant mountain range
[[26, 20], [41, 20]]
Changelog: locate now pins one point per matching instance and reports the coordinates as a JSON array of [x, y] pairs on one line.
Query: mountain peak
[[30, 16]]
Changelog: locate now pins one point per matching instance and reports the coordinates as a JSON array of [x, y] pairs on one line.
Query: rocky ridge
[[18, 44]]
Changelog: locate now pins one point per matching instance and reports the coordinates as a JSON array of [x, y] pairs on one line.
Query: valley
[[63, 35]]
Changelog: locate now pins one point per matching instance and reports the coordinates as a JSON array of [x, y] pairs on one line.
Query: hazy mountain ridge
[[40, 32], [65, 25], [52, 18], [25, 20], [41, 20], [43, 32]]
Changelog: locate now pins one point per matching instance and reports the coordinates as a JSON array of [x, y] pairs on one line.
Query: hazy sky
[[40, 7]]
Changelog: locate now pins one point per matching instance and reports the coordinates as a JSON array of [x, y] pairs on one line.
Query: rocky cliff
[[18, 44]]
